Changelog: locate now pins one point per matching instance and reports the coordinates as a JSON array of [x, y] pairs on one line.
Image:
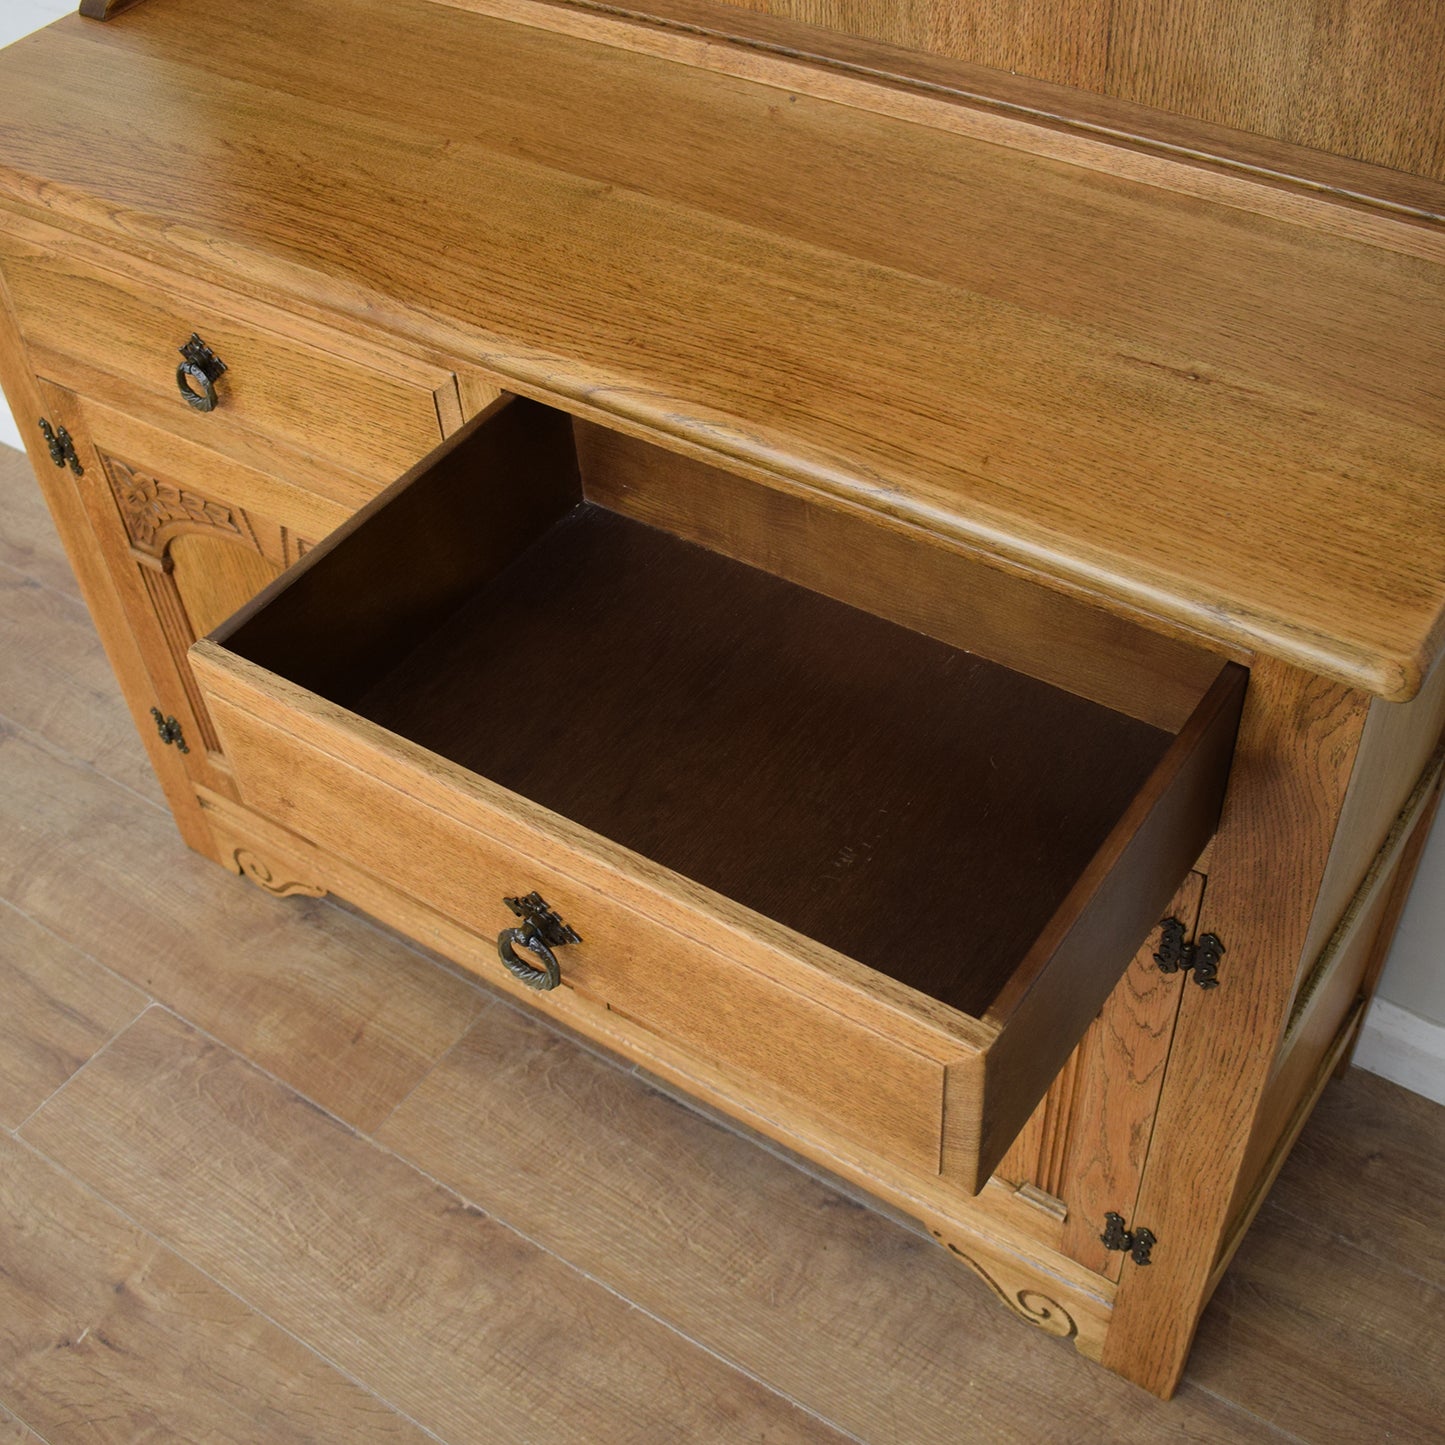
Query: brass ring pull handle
[[205, 368], [540, 933]]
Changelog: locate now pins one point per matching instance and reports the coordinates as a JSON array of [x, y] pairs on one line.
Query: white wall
[[1404, 1035], [17, 18]]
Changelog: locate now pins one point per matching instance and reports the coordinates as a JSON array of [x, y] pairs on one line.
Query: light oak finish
[[1228, 167], [23, 393], [769, 1267], [83, 325], [1089, 1137], [1070, 382], [1116, 453], [996, 1234], [1268, 861], [1346, 76]]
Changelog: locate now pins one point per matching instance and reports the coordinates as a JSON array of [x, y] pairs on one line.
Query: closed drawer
[[877, 883], [118, 340]]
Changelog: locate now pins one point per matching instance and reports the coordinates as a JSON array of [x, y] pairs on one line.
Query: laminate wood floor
[[268, 1173]]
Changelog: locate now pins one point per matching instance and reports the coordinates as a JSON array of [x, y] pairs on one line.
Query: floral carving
[[153, 510]]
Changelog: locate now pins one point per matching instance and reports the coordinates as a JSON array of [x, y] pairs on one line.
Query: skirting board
[[1404, 1048]]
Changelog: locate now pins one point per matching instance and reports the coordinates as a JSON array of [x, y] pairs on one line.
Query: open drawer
[[876, 883]]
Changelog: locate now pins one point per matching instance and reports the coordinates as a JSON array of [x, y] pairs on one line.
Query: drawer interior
[[890, 794]]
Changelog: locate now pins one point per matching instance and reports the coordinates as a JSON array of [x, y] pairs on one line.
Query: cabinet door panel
[[186, 545]]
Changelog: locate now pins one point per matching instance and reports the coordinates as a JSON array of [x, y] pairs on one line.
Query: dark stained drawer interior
[[916, 808]]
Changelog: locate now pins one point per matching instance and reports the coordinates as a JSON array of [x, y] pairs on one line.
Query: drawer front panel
[[110, 338], [784, 1049]]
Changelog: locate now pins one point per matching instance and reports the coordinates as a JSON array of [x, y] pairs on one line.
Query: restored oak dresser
[[909, 610]]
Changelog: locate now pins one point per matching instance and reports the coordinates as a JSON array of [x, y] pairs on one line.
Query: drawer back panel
[[899, 573]]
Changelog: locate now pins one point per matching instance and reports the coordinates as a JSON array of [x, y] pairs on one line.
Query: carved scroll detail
[[259, 872], [1027, 1303]]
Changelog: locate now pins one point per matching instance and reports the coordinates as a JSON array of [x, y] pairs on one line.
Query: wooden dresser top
[[1230, 420]]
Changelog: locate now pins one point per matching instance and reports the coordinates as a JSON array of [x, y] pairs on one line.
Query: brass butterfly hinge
[[1201, 957], [1137, 1242]]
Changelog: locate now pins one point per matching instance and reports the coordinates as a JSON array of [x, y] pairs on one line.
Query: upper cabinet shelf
[[1221, 420]]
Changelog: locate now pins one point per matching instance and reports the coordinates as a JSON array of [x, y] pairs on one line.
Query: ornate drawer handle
[[205, 368], [540, 933]]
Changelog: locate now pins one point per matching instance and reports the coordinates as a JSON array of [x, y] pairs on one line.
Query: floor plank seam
[[1286, 1437], [54, 750], [22, 1421], [71, 599], [426, 1074], [454, 1193], [61, 1088], [235, 1294], [1384, 1261], [740, 1369]]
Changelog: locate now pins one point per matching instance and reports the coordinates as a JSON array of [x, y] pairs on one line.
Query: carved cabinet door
[[188, 537]]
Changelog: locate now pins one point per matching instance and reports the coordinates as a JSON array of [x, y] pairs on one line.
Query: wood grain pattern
[[55, 681], [1394, 753], [402, 1283], [820, 1067], [999, 1227], [1353, 77], [1373, 1160], [356, 1028], [1299, 1292], [833, 802], [134, 516], [1130, 880], [1070, 447], [1118, 1077], [1357, 77], [1064, 42], [1297, 746], [106, 1335], [14, 1432], [29, 545], [356, 417], [1338, 979], [93, 578], [837, 1307], [1232, 167], [760, 1263], [718, 691], [60, 1007]]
